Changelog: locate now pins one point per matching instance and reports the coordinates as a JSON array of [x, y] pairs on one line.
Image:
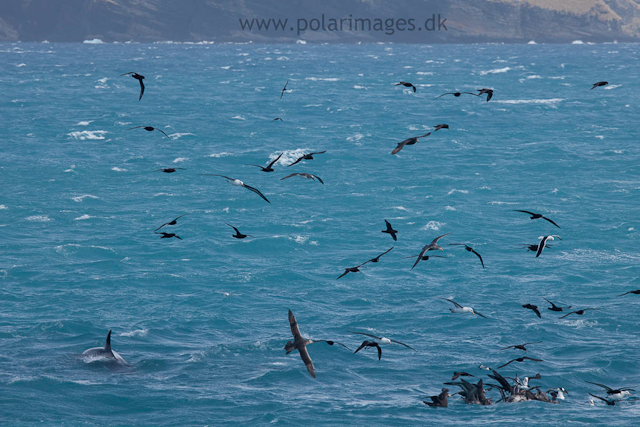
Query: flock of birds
[[516, 390]]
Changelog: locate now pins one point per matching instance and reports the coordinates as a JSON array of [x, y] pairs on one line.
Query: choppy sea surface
[[203, 321]]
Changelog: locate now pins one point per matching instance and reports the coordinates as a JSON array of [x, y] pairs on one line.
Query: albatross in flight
[[543, 242], [430, 247], [376, 342], [536, 216], [284, 89], [469, 249], [305, 175], [150, 129], [615, 394], [408, 141], [300, 343], [269, 167], [461, 309], [139, 78], [407, 84], [237, 182]]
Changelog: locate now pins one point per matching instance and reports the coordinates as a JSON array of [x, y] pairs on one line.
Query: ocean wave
[[84, 123], [180, 159], [457, 191], [83, 217], [117, 169], [323, 79], [84, 196], [495, 71], [135, 333], [38, 218], [179, 135], [529, 101], [433, 225], [93, 41], [88, 134]]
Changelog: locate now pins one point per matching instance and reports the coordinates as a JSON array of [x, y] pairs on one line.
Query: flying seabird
[[484, 368], [140, 79], [609, 402], [469, 249], [424, 257], [489, 93], [169, 170], [579, 312], [534, 248], [408, 141], [348, 270], [237, 182], [376, 343], [305, 175], [238, 234], [439, 400], [172, 222], [534, 308], [456, 94], [168, 235], [300, 343], [537, 216], [284, 89], [520, 359], [595, 85], [555, 307], [456, 375], [430, 247], [276, 119], [390, 230], [149, 129], [442, 126], [376, 259], [460, 309], [308, 156], [543, 242], [406, 84], [269, 167], [615, 394], [636, 292], [521, 346]]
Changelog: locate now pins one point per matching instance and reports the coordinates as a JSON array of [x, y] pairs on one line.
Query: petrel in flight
[[140, 79]]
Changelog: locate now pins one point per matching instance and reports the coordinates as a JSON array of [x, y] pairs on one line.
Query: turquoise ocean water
[[203, 321]]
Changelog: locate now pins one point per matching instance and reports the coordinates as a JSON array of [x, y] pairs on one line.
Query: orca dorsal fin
[[107, 345]]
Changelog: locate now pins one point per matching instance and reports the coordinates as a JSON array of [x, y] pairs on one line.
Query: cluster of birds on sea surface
[[511, 389]]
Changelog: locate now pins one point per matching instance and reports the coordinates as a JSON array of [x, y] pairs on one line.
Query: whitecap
[[360, 87], [135, 333], [178, 135], [83, 217], [433, 225], [180, 159], [38, 218], [223, 154], [609, 87], [2, 207], [323, 79], [84, 123], [532, 42], [457, 191], [495, 71], [93, 41], [88, 134], [529, 101], [577, 42], [117, 169], [84, 196], [238, 118], [21, 65]]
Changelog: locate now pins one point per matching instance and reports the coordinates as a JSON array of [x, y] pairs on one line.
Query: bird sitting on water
[[440, 400]]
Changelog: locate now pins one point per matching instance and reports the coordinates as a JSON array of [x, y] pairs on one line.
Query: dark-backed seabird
[[284, 89], [609, 402], [172, 222], [376, 259], [578, 312], [376, 342], [305, 175], [461, 309], [441, 126], [390, 230], [308, 156], [149, 129], [595, 85], [277, 119], [269, 167], [168, 235], [534, 248], [408, 141], [555, 307], [237, 182], [424, 257], [169, 170], [456, 94], [489, 93], [543, 242], [536, 216], [469, 249], [238, 234], [636, 292], [440, 400], [456, 375], [406, 84], [140, 79], [521, 346], [557, 393], [534, 308], [615, 393], [300, 343], [520, 359], [355, 269], [430, 247]]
